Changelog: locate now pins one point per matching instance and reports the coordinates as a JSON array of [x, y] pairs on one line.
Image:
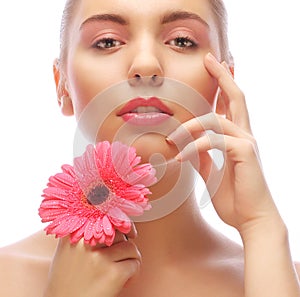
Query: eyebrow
[[115, 18], [168, 18], [182, 15]]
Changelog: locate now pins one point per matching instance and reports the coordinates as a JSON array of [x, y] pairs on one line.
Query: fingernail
[[178, 135], [172, 138], [211, 57], [178, 157], [169, 140], [229, 69], [226, 66]]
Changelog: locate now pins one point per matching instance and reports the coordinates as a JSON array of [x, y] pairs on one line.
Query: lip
[[137, 102], [145, 119]]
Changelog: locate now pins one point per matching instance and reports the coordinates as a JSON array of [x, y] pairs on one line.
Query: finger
[[229, 70], [207, 165], [196, 128], [120, 237], [234, 96], [237, 149], [127, 269], [133, 232], [121, 251]]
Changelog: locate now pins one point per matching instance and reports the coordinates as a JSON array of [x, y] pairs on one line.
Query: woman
[[179, 254]]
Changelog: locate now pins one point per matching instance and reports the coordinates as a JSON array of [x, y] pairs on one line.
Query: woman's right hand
[[85, 271]]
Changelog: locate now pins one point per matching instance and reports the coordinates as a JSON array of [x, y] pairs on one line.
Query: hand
[[243, 197], [85, 271]]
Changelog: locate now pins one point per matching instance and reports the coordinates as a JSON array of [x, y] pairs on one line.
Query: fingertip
[[169, 141], [133, 232], [225, 65], [211, 57], [212, 64], [135, 267], [178, 157], [229, 69]]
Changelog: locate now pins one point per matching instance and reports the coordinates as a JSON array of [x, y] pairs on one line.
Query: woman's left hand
[[243, 197]]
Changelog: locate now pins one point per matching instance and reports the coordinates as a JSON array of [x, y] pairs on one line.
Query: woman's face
[[118, 40]]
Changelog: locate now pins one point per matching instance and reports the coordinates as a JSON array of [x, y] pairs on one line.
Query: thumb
[[133, 232]]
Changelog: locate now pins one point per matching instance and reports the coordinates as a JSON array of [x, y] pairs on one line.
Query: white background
[[36, 139]]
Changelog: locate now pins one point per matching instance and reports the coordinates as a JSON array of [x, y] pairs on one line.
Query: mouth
[[142, 111], [142, 105]]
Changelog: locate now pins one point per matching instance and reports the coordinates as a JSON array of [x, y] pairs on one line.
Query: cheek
[[193, 73], [109, 128], [87, 78]]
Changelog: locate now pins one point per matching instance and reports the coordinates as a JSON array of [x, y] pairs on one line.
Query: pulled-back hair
[[217, 6], [221, 20], [67, 16]]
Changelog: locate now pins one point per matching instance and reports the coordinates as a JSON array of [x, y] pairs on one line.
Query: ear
[[63, 97]]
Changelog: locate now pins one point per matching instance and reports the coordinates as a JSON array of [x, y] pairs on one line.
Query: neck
[[175, 235]]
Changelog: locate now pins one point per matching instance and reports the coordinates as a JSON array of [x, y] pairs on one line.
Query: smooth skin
[[179, 254]]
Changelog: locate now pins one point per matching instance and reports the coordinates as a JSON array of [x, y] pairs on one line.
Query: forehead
[[143, 10]]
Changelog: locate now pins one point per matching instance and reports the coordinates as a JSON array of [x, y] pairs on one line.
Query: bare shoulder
[[24, 266]]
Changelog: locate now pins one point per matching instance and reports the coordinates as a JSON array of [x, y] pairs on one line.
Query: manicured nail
[[169, 140], [211, 57], [178, 135], [178, 157]]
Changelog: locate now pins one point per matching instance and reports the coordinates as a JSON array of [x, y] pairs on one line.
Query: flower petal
[[109, 239], [107, 227], [98, 228], [89, 230], [131, 208], [65, 204], [116, 213], [79, 233]]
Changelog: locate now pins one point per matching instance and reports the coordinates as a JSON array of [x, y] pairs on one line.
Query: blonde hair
[[221, 20], [67, 15], [217, 6]]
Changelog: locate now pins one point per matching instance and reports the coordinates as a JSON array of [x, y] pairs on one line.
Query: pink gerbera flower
[[96, 196]]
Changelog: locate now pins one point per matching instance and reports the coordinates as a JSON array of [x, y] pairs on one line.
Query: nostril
[[135, 80], [138, 80], [156, 80]]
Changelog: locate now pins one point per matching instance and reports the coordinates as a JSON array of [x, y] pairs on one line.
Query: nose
[[146, 67], [153, 80]]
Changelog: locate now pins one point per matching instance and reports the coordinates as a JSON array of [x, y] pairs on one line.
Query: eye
[[107, 43], [182, 42]]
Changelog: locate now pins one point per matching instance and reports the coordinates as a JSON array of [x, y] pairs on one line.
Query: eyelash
[[105, 41], [185, 40]]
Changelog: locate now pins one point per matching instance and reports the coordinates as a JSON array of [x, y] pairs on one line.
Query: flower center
[[98, 195]]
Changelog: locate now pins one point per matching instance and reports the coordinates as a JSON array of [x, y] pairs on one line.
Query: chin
[[148, 145], [152, 147]]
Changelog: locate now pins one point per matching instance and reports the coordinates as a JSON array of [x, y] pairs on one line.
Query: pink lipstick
[[145, 112]]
